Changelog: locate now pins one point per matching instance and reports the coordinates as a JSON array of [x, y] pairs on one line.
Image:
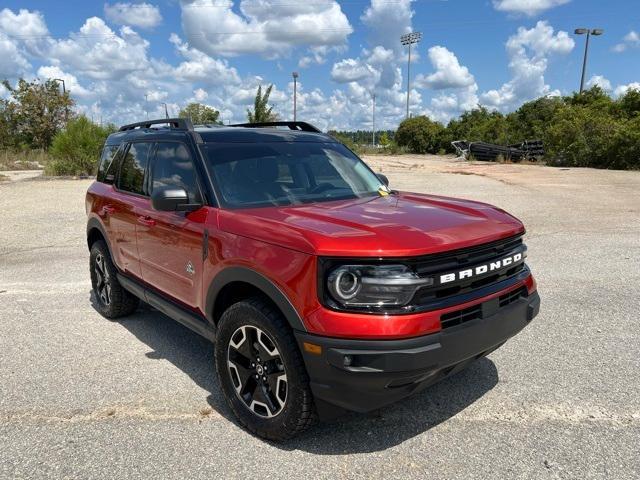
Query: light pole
[[146, 105], [374, 119], [409, 39], [166, 112], [588, 32], [295, 95], [64, 92]]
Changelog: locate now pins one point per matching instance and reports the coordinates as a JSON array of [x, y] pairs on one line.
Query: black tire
[[111, 299], [293, 410]]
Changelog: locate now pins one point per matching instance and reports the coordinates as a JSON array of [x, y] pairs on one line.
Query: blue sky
[[498, 53]]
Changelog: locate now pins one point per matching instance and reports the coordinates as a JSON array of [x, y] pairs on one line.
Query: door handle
[[108, 209], [146, 220]]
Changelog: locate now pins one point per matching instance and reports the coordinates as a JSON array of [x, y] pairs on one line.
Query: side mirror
[[172, 199], [383, 179]]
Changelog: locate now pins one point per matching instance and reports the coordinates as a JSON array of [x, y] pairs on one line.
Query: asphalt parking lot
[[83, 397]]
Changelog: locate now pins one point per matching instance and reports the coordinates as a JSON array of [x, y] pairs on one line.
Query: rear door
[[128, 197], [170, 243]]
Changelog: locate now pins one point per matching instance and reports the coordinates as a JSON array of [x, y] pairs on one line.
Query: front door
[[170, 243], [120, 210]]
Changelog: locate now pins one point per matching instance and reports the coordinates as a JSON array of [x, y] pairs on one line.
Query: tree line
[[37, 120], [583, 130], [588, 130]]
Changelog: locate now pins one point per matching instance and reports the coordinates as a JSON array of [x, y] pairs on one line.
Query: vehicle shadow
[[351, 433]]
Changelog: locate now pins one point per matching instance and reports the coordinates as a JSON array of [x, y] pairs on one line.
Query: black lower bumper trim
[[362, 375]]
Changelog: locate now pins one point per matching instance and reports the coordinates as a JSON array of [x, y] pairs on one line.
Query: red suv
[[322, 289]]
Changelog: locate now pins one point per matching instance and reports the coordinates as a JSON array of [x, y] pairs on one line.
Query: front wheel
[[261, 371]]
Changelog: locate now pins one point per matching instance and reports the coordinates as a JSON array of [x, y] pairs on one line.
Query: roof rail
[[302, 126], [177, 123]]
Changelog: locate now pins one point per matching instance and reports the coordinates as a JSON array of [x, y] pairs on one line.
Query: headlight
[[374, 285]]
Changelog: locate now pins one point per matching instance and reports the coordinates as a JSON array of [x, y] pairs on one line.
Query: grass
[[23, 159], [3, 178]]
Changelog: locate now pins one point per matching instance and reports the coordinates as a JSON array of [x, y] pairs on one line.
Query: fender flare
[[95, 224], [246, 275]]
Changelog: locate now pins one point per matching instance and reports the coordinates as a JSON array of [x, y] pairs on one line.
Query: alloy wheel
[[103, 281], [257, 371]]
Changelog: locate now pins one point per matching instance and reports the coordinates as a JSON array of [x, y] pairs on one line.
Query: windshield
[[284, 173]]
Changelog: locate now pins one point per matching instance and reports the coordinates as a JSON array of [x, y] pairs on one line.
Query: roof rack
[[176, 123], [301, 126]]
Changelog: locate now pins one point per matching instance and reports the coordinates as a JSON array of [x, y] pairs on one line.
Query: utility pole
[[295, 95], [166, 112], [374, 119], [146, 105], [588, 32], [409, 39]]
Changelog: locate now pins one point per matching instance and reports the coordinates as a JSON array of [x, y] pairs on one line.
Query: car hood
[[402, 224]]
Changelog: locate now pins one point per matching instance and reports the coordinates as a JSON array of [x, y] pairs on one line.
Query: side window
[[133, 166], [173, 167], [106, 159]]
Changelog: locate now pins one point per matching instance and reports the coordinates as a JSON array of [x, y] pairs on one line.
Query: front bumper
[[363, 375]]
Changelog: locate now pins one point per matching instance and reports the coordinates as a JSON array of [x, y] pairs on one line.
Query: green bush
[[419, 135], [581, 130], [76, 149]]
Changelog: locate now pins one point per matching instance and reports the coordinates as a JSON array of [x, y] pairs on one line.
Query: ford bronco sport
[[322, 289]]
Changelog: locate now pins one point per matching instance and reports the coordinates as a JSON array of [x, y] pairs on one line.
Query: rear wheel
[[261, 371], [112, 300]]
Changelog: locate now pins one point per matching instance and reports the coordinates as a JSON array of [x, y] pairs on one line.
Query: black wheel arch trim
[[246, 275], [95, 224]]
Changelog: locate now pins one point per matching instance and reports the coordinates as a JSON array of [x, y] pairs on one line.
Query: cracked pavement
[[83, 397]]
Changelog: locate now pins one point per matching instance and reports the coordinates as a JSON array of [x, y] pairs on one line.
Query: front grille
[[441, 295], [459, 317], [511, 297]]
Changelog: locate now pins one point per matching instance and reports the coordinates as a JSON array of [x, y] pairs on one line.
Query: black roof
[[167, 129]]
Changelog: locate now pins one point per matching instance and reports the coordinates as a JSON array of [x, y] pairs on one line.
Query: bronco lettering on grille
[[481, 269]]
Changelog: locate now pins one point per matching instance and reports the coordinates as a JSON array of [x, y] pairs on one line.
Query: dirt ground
[[82, 397]]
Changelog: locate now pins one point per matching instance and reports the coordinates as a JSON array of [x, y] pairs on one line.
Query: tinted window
[[173, 167], [106, 160], [283, 173], [133, 166]]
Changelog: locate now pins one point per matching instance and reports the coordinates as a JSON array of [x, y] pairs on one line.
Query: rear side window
[[106, 160], [173, 167], [133, 167]]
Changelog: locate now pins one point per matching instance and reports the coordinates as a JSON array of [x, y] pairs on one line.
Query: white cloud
[[12, 61], [449, 73], [70, 81], [600, 81], [28, 29], [387, 21], [200, 95], [623, 89], [527, 7], [141, 15], [100, 53], [262, 27], [352, 70], [528, 52], [201, 67], [630, 40]]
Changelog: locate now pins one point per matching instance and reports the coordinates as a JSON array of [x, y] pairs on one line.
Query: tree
[[420, 135], [262, 112], [384, 139], [200, 114], [629, 103], [36, 111], [76, 149]]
